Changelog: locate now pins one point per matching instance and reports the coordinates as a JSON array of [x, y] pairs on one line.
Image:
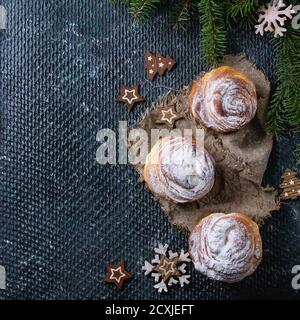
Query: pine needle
[[277, 122], [181, 13], [242, 12], [141, 9], [284, 110], [213, 42]]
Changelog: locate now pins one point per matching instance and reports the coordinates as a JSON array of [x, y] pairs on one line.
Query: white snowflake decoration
[[167, 268], [272, 18]]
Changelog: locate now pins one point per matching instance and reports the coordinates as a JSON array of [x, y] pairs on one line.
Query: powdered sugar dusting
[[224, 248], [184, 173], [225, 103]]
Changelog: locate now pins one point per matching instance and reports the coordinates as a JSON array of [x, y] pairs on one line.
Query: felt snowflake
[[167, 268], [272, 18]]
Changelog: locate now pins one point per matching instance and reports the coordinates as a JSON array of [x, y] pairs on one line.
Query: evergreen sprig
[[213, 41], [242, 12], [284, 111], [286, 114], [276, 117], [181, 13], [141, 9]]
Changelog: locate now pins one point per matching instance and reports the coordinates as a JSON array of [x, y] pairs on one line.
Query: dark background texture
[[63, 216]]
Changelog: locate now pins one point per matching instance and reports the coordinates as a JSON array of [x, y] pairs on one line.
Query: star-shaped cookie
[[167, 268], [167, 115], [130, 96], [117, 274]]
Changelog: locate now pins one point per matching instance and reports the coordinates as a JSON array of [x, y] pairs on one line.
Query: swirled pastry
[[224, 99], [226, 247], [178, 170]]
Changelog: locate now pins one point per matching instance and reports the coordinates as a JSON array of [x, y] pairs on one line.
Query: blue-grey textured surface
[[63, 217]]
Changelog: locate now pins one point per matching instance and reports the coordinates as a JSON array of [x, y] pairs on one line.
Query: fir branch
[[213, 42], [285, 112], [181, 13], [242, 12], [276, 121], [141, 9]]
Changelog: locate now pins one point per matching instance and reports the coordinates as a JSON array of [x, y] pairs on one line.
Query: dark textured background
[[63, 217]]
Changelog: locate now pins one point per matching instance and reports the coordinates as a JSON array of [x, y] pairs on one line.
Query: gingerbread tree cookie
[[290, 185], [157, 64]]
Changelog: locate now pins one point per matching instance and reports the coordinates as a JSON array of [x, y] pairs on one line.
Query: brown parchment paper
[[241, 158]]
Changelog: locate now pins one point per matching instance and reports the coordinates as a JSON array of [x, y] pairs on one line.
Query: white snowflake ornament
[[272, 18], [167, 268]]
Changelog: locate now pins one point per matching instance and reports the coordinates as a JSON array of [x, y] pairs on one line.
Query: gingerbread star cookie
[[167, 115], [168, 267], [117, 274], [130, 96]]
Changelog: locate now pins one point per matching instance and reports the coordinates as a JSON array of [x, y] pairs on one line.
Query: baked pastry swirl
[[178, 170], [224, 99], [226, 247]]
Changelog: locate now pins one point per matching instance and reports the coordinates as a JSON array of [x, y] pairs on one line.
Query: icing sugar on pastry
[[178, 170], [224, 99], [226, 247]]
